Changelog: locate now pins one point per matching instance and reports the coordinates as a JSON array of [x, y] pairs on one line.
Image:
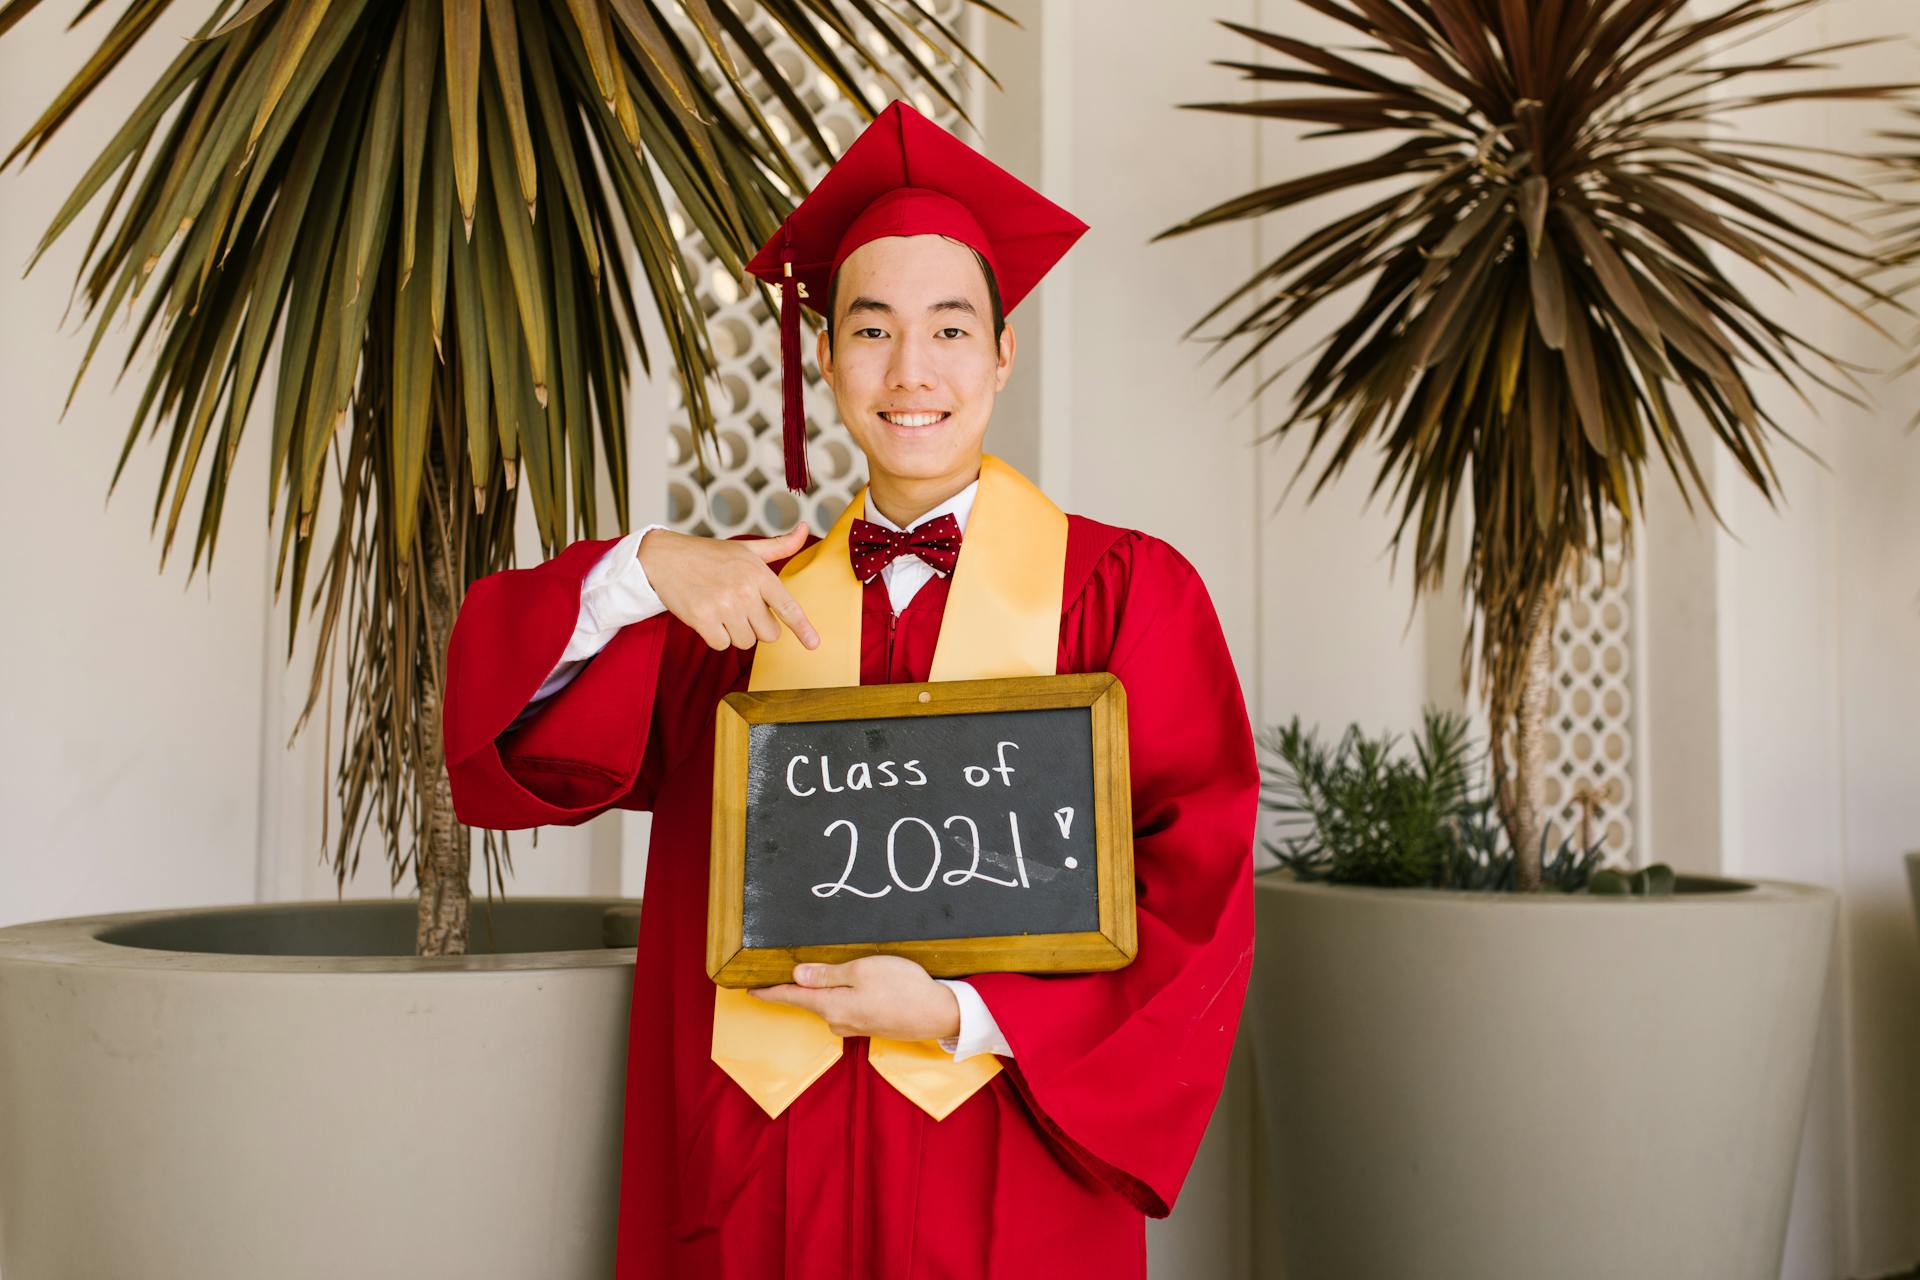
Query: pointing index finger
[[788, 610]]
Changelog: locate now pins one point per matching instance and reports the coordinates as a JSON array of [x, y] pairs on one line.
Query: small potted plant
[[1551, 1081], [1437, 1053]]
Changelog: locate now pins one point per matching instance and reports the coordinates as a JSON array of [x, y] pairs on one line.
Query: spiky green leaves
[[1549, 271], [324, 146], [1903, 235], [351, 190]]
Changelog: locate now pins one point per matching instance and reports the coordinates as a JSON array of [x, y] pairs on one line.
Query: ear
[[1006, 358], [823, 355]]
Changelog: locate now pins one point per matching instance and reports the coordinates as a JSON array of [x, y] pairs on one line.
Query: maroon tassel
[[793, 418]]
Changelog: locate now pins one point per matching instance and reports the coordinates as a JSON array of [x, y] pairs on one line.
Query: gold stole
[[1002, 619]]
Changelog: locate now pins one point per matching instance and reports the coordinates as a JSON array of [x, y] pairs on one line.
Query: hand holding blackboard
[[971, 825], [890, 997]]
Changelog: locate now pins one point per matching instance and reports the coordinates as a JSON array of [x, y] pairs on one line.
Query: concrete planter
[[286, 1091], [1492, 1087], [1913, 883]]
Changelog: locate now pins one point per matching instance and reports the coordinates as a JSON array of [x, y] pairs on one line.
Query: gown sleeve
[[1122, 1070], [604, 739]]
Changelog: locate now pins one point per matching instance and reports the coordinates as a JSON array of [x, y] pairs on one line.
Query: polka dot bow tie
[[873, 547]]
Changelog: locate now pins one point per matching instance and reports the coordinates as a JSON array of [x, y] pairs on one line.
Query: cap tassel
[[793, 418]]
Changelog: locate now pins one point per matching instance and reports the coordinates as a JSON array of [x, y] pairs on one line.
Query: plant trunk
[[1525, 795], [443, 854]]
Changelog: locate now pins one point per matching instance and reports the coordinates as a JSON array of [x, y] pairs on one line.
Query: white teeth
[[913, 419]]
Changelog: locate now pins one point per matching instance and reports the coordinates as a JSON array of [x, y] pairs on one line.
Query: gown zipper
[[857, 1227]]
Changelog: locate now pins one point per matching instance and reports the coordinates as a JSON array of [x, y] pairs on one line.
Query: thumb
[[771, 549], [822, 975]]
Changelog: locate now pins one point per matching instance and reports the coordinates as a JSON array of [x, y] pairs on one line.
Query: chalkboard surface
[[973, 825]]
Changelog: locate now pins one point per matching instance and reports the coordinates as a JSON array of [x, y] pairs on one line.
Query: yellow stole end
[[1002, 619]]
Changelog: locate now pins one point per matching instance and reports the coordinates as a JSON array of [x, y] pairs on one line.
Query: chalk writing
[[960, 826]]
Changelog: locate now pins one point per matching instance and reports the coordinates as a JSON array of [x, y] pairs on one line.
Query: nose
[[911, 365]]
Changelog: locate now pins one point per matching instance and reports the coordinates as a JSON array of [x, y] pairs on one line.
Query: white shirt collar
[[959, 506]]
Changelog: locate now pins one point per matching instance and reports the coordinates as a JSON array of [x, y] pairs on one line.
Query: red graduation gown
[[1048, 1169]]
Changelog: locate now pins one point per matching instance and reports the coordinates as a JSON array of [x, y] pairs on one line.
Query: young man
[[867, 1120]]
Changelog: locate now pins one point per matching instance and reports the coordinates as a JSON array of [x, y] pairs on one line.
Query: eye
[[869, 329], [954, 330]]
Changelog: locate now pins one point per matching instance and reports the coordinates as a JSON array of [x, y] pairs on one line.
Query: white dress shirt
[[616, 593]]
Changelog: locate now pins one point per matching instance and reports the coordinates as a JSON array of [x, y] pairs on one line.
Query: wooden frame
[[1111, 946]]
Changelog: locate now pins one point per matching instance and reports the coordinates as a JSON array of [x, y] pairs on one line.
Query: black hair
[[993, 298]]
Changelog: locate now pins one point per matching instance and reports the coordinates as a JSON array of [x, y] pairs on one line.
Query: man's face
[[914, 367]]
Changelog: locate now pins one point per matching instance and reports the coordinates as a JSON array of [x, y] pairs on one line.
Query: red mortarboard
[[903, 176]]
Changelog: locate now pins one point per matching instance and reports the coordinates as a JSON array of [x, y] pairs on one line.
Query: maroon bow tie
[[873, 547]]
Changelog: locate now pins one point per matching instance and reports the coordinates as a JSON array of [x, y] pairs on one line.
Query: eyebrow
[[946, 304]]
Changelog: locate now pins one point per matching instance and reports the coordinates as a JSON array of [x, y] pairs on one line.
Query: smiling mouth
[[914, 419]]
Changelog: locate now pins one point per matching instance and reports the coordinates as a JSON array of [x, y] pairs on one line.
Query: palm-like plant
[[1541, 286], [1903, 235], [427, 209]]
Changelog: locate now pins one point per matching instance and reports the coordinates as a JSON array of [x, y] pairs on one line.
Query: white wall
[[146, 760], [145, 765], [1785, 664], [131, 769], [1820, 640]]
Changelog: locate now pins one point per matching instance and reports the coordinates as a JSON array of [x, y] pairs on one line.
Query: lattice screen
[[1590, 742], [743, 489]]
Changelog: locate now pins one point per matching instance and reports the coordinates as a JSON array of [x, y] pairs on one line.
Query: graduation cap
[[903, 176]]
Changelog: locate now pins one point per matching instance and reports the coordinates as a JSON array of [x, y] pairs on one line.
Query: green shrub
[[1363, 813]]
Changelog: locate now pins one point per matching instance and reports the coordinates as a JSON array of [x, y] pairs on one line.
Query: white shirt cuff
[[979, 1033], [615, 592]]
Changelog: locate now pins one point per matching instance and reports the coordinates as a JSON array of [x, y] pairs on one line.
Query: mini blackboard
[[971, 825]]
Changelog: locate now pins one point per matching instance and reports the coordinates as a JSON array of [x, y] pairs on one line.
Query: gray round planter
[[1913, 883], [287, 1091], [1498, 1087]]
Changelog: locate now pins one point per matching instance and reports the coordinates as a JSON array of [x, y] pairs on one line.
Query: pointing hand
[[722, 587]]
